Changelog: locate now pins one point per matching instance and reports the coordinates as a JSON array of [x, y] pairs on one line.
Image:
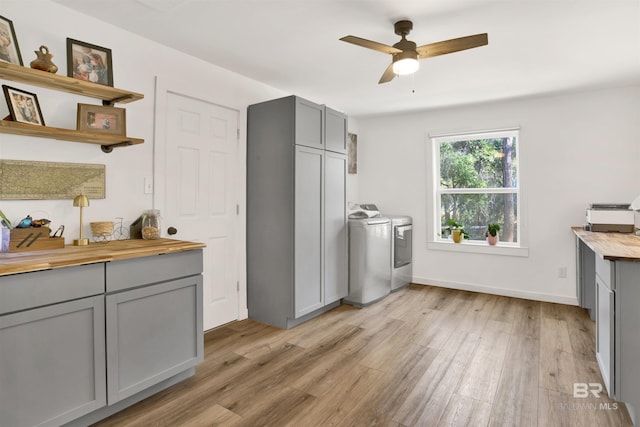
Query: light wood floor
[[424, 356]]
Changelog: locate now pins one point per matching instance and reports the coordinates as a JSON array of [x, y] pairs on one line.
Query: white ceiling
[[535, 46]]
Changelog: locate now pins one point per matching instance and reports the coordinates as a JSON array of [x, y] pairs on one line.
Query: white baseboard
[[498, 291]]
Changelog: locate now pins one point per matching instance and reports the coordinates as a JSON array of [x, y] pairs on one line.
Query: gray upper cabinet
[[336, 131], [309, 123], [296, 213]]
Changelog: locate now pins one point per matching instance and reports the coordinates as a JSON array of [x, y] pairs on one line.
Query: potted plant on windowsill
[[457, 231], [492, 234]]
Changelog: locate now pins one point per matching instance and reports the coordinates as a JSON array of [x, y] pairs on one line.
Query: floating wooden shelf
[[30, 76], [106, 141], [109, 95]]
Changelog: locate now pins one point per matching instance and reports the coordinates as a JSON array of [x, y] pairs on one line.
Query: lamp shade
[[406, 66], [81, 201]]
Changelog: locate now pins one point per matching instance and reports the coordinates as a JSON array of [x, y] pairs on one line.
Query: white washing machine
[[401, 251], [369, 255]]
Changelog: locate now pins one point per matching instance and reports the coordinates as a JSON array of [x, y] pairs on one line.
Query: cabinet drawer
[[30, 290], [605, 269], [130, 273]]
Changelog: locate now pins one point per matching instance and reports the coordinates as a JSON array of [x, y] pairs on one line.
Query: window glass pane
[[479, 163], [476, 211]]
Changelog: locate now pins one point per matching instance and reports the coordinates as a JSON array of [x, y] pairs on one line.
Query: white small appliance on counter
[[635, 206], [611, 217]]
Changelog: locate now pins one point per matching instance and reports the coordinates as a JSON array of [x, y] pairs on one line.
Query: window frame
[[434, 240]]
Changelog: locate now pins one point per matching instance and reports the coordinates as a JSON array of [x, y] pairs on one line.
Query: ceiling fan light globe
[[405, 66]]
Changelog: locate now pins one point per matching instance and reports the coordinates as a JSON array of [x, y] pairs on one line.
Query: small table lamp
[[81, 201]]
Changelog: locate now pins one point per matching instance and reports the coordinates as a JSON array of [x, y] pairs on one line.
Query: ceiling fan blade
[[453, 45], [370, 44], [388, 74]]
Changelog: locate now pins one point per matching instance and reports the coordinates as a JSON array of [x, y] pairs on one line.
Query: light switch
[[148, 186]]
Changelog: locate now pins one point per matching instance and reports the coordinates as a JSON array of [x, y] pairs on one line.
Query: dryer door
[[402, 245]]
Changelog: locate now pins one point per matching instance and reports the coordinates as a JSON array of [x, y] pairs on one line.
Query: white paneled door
[[200, 179]]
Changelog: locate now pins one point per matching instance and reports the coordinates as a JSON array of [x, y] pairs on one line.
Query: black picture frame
[[9, 50], [89, 62], [23, 106]]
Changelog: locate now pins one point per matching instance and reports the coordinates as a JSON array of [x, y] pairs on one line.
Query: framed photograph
[[89, 62], [352, 153], [9, 51], [23, 106], [101, 119]]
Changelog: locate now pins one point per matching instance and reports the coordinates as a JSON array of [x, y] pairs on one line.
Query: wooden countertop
[[611, 246], [23, 262]]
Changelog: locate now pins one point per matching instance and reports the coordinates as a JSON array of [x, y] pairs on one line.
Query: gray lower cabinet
[[617, 325], [78, 344], [605, 323], [154, 320], [586, 274], [153, 333], [297, 265], [52, 353]]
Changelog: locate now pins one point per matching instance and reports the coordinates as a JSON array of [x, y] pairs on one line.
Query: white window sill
[[478, 248]]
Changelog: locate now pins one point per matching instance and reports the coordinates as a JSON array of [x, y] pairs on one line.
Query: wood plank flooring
[[424, 356]]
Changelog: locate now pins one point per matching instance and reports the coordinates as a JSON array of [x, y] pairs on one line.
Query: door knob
[[171, 231]]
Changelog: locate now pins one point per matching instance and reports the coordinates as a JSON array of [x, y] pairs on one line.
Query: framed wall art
[[352, 153], [23, 106], [89, 62], [9, 51], [101, 119]]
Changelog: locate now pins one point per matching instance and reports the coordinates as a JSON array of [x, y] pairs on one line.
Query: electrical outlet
[[562, 272], [148, 186]]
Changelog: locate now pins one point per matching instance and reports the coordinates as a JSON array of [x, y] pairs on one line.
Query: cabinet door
[[335, 131], [308, 272], [336, 262], [605, 333], [153, 333], [309, 124], [52, 363], [586, 277]]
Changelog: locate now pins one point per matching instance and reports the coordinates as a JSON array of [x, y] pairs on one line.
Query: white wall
[[574, 149], [136, 62]]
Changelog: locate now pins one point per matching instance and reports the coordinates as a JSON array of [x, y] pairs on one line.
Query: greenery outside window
[[477, 182]]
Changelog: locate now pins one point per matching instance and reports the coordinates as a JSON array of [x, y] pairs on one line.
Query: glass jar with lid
[[151, 224]]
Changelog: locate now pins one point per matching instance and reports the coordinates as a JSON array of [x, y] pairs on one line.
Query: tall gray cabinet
[[297, 265]]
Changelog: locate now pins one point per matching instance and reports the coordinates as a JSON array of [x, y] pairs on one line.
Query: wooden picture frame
[[9, 50], [89, 62], [101, 119], [23, 106]]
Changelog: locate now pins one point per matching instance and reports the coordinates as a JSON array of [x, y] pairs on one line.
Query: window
[[476, 180]]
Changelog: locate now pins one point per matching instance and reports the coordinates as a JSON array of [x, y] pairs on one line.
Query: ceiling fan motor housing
[[403, 28]]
